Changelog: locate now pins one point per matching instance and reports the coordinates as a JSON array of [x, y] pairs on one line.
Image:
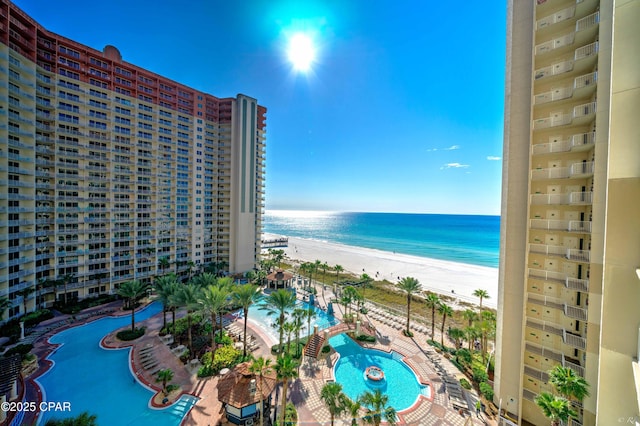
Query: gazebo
[[279, 279], [241, 391]]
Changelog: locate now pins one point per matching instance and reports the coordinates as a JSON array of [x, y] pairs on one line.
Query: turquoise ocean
[[457, 238]]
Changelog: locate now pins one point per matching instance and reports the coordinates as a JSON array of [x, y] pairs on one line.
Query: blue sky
[[402, 110]]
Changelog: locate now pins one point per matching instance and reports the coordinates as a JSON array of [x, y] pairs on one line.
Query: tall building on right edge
[[569, 289]]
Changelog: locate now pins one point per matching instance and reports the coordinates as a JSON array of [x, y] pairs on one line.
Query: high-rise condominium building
[[109, 172], [570, 238]]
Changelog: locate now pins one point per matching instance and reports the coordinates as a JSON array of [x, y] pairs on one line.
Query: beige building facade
[[569, 286], [110, 172]]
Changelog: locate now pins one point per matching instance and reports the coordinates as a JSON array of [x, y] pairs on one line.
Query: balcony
[[582, 86], [577, 255], [561, 225], [576, 143], [561, 278], [569, 311], [576, 170], [555, 18], [568, 338]]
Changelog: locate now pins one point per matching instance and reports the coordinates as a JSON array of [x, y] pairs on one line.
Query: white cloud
[[452, 148], [431, 149], [454, 166], [493, 158]]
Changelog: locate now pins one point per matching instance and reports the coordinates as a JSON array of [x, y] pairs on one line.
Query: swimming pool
[[259, 317], [100, 381], [400, 382]]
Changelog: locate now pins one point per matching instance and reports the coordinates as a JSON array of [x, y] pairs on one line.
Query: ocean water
[[457, 238]]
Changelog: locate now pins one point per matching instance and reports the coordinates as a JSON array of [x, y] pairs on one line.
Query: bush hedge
[[128, 335], [366, 338], [23, 349], [486, 390], [36, 317]]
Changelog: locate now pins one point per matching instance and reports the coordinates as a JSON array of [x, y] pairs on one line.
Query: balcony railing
[[561, 225], [575, 170], [574, 341], [571, 254], [588, 22]]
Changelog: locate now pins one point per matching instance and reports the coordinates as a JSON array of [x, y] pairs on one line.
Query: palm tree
[[286, 369], [298, 315], [213, 300], [338, 269], [487, 328], [316, 267], [410, 286], [164, 376], [24, 293], [432, 301], [132, 291], [324, 266], [353, 407], [188, 296], [331, 394], [555, 408], [470, 315], [457, 335], [568, 383], [445, 310], [84, 419], [309, 313], [278, 303], [261, 366], [165, 287], [164, 263], [471, 334], [244, 296], [365, 281], [375, 404], [5, 304], [65, 280], [482, 294]]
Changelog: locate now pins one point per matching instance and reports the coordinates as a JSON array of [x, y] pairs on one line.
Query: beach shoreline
[[439, 276]]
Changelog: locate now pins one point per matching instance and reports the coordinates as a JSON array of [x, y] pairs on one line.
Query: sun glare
[[301, 52]]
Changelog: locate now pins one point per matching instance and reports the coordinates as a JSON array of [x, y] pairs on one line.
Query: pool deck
[[304, 391]]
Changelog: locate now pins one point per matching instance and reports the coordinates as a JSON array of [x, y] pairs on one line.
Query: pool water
[[100, 381], [267, 322], [400, 382]]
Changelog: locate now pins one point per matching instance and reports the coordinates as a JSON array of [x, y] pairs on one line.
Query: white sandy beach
[[435, 275]]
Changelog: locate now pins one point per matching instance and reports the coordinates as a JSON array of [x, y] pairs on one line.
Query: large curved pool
[[100, 381], [400, 382]]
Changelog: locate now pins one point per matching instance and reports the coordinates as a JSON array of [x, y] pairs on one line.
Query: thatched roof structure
[[279, 275], [234, 388]]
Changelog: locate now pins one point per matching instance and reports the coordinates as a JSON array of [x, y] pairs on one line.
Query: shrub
[[407, 333], [464, 357], [171, 388], [11, 329], [366, 338], [465, 383], [224, 339], [34, 318], [326, 349], [22, 349], [226, 357], [128, 335], [486, 390], [290, 415], [479, 375]]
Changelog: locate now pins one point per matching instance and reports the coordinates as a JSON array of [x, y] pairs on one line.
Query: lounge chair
[[150, 365]]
